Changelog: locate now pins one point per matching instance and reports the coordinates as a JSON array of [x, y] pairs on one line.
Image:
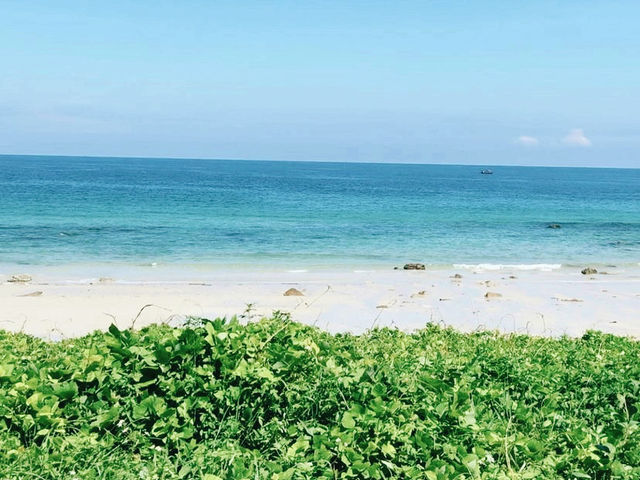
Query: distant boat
[[486, 171]]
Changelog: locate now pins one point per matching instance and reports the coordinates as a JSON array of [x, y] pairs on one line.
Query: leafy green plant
[[279, 400]]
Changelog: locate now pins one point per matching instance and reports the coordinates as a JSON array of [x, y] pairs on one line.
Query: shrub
[[279, 400]]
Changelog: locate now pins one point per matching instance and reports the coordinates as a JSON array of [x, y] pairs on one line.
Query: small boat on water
[[486, 171]]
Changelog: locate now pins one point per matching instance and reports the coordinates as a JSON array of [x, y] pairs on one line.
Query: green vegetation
[[279, 400]]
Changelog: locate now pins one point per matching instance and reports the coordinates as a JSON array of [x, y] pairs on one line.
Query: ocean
[[256, 215]]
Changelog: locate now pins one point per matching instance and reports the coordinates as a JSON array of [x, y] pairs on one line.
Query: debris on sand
[[32, 294], [293, 292]]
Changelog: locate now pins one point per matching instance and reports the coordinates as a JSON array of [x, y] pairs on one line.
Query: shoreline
[[172, 273], [548, 303]]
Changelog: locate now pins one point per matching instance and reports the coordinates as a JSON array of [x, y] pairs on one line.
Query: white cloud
[[527, 141], [576, 138]]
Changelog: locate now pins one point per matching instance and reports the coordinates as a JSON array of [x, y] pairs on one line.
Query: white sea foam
[[76, 281], [297, 271], [543, 267]]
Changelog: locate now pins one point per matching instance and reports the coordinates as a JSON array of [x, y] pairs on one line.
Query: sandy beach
[[550, 303]]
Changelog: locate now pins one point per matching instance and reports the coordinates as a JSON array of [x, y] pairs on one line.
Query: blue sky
[[493, 82]]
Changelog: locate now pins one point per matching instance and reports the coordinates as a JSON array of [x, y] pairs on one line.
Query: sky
[[464, 82]]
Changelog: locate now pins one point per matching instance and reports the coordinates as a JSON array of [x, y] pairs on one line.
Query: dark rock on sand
[[457, 276], [589, 271], [20, 278], [293, 292], [414, 266]]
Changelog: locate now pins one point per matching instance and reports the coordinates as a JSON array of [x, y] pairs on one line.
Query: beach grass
[[276, 399]]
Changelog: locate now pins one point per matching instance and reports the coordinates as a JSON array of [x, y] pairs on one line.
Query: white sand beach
[[548, 303]]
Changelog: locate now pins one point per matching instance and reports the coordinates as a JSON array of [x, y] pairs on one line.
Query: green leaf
[[348, 421], [388, 449], [6, 370], [580, 474], [66, 391], [106, 418]]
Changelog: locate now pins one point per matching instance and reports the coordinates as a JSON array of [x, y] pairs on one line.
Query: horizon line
[[130, 157]]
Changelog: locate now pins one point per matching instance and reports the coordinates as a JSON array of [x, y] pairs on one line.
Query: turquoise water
[[253, 214]]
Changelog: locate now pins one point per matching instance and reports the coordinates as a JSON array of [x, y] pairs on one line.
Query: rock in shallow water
[[414, 266]]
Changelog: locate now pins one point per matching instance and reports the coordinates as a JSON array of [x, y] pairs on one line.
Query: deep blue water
[[65, 210]]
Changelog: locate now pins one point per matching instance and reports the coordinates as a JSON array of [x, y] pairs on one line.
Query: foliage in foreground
[[279, 400]]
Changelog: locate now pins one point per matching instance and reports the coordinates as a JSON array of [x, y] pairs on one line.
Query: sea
[[103, 214]]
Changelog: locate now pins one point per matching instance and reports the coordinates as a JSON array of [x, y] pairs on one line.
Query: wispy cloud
[[576, 138], [527, 141]]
